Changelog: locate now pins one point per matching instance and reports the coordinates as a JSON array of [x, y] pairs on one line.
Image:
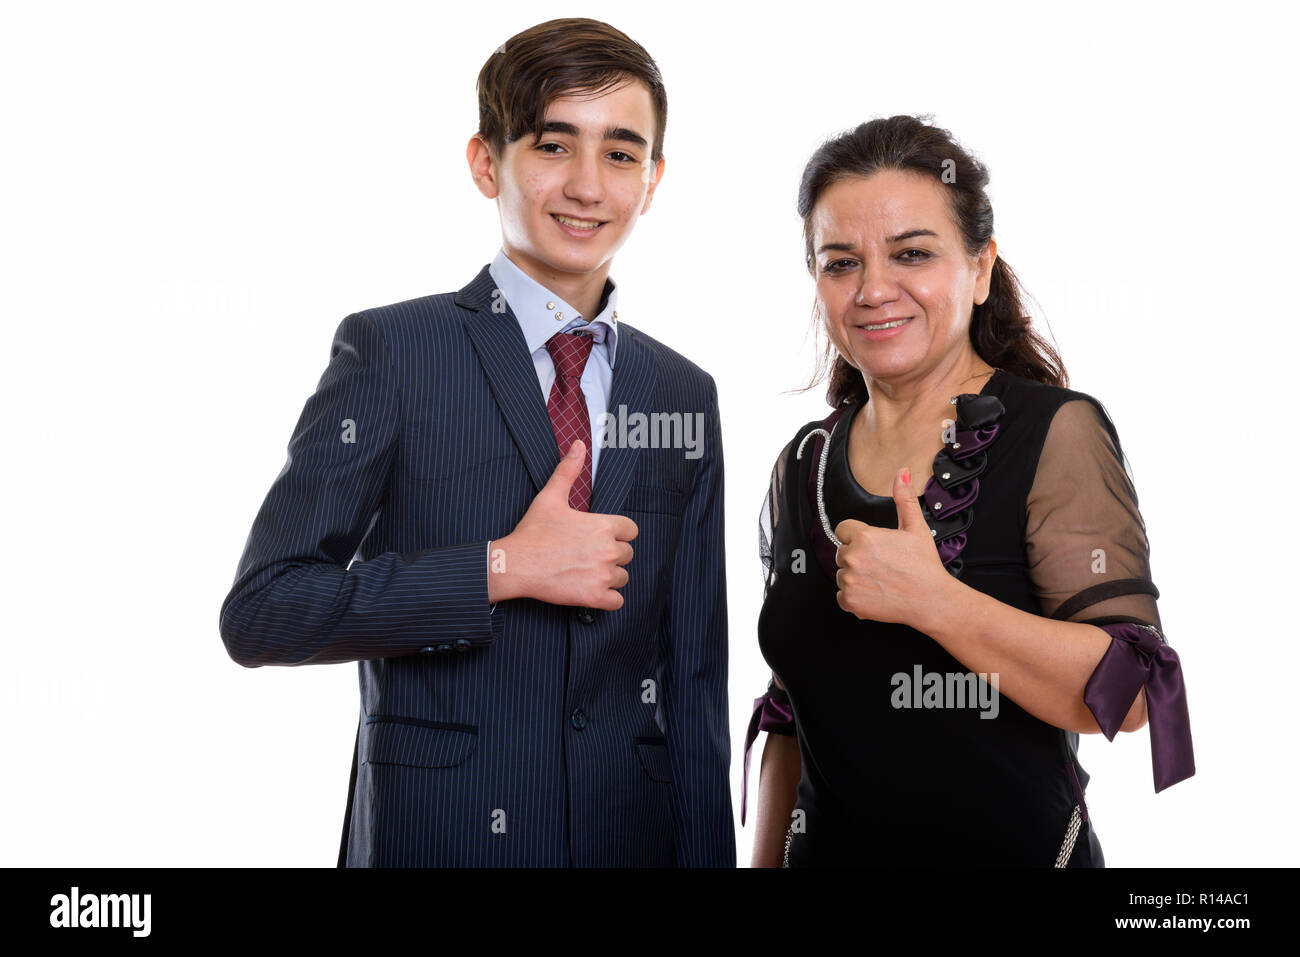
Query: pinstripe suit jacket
[[534, 735]]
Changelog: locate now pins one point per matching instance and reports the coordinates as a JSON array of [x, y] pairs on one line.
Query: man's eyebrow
[[907, 234], [623, 134], [555, 126], [620, 133]]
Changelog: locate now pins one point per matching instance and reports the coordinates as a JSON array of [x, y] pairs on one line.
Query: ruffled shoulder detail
[[949, 496]]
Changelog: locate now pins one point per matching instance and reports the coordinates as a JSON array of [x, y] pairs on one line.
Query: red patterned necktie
[[568, 407]]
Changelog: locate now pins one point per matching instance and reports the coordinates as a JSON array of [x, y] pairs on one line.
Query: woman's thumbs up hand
[[888, 574]]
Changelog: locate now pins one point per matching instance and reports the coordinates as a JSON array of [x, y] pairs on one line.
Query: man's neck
[[580, 290]]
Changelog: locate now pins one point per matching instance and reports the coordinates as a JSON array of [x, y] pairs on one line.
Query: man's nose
[[585, 181]]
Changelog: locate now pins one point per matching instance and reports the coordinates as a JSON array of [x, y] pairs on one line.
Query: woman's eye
[[837, 265], [921, 255]]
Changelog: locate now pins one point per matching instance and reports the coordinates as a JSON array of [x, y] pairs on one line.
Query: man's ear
[[653, 175], [984, 276], [483, 166]]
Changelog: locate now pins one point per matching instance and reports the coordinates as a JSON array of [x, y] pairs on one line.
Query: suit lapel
[[501, 349], [632, 389]]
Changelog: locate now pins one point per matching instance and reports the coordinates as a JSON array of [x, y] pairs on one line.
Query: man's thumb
[[567, 472], [910, 516]]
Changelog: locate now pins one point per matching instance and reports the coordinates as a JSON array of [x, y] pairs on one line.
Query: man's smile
[[574, 222]]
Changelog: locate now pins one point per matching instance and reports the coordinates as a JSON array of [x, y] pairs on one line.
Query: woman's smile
[[885, 329]]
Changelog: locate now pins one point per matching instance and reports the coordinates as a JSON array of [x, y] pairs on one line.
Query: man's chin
[[575, 261]]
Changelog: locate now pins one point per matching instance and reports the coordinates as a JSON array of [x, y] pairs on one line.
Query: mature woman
[[957, 573]]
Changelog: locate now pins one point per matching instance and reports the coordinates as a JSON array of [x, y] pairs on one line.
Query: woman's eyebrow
[[912, 233], [837, 247], [908, 234]]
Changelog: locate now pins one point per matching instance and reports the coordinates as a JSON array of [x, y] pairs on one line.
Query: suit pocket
[[653, 754], [648, 498], [416, 743], [423, 466]]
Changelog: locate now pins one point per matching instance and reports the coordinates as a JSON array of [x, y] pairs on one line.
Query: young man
[[473, 509]]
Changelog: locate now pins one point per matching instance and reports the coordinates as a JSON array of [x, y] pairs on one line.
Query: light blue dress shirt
[[541, 314]]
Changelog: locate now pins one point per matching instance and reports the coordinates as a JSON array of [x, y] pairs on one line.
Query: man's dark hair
[[559, 58]]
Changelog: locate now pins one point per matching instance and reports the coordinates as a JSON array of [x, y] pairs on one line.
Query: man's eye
[[546, 147], [622, 157]]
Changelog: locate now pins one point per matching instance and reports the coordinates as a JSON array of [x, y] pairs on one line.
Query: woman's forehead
[[882, 205]]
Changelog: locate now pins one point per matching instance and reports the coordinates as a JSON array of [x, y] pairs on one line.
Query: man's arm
[[694, 631], [294, 600]]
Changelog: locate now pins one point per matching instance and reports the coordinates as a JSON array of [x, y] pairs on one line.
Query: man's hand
[[559, 555], [887, 574]]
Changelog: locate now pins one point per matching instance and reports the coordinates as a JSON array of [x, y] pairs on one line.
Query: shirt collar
[[535, 307]]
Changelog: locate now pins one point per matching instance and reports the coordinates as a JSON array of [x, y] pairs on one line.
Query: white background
[[194, 196]]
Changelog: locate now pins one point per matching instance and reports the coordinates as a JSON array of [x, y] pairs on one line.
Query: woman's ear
[[984, 274]]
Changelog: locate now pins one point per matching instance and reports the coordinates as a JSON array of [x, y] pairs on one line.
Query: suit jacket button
[[586, 615], [444, 648], [462, 644], [578, 719], [427, 649]]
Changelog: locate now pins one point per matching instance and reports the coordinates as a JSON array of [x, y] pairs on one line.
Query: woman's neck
[[899, 407]]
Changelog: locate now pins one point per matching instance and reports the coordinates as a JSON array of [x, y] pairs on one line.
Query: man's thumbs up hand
[[888, 574], [560, 555], [566, 473]]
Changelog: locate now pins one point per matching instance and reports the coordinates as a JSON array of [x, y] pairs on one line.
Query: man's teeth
[[886, 325], [577, 223]]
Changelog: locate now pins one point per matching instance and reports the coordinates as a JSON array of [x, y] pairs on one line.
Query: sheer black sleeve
[[1085, 540], [1088, 557], [770, 515]]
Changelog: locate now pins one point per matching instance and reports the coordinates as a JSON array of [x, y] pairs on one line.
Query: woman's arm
[[778, 784], [778, 778], [781, 767], [1042, 664], [1082, 522]]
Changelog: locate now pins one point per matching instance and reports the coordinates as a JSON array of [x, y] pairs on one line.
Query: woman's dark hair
[[1000, 330], [557, 58]]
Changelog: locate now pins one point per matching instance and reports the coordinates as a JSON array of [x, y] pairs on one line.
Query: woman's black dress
[[907, 758]]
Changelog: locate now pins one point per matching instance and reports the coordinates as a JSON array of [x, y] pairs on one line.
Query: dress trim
[[950, 493]]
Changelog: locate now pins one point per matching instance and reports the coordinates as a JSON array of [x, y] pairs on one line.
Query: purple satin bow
[[1139, 655], [769, 715]]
